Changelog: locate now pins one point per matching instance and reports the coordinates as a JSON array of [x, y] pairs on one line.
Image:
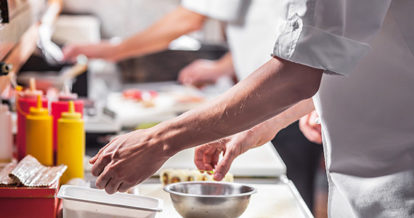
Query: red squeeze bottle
[[25, 100], [59, 107]]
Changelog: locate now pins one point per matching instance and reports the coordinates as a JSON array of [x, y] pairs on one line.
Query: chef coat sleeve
[[332, 35], [223, 10]]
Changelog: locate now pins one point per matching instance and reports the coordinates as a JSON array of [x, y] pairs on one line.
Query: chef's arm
[[206, 157], [268, 129], [270, 90], [155, 38], [158, 36], [201, 72]]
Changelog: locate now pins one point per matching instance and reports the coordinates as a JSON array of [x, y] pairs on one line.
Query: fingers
[[208, 158], [94, 158], [124, 187], [199, 157], [112, 186], [224, 165], [103, 180], [100, 164], [215, 158]]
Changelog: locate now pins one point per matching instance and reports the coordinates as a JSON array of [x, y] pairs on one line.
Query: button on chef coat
[[368, 114]]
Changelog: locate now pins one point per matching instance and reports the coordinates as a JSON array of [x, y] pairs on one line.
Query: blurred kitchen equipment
[[210, 199], [6, 135], [52, 53], [4, 11], [5, 76], [71, 143], [80, 67], [39, 133], [84, 202]]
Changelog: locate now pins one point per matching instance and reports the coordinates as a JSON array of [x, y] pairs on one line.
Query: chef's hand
[[200, 72], [103, 50], [311, 128], [127, 160], [206, 156]]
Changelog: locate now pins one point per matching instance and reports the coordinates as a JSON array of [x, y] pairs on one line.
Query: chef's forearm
[[274, 87], [267, 130], [158, 36]]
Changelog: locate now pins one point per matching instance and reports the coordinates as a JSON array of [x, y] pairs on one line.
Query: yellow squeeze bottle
[[39, 134], [71, 143]]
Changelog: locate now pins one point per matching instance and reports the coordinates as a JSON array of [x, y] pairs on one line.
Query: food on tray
[[29, 172], [139, 95], [170, 176], [145, 97], [189, 99]]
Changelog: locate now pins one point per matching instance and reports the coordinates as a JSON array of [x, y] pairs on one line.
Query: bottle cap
[[66, 95], [39, 110], [32, 91], [71, 114]]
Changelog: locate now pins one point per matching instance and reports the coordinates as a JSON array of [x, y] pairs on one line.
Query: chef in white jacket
[[367, 116], [365, 100]]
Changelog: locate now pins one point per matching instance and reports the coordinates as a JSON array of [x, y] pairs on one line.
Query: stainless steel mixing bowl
[[210, 199]]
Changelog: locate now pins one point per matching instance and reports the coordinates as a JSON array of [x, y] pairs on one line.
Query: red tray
[[23, 202]]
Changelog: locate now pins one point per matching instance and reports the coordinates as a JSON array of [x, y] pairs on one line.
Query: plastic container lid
[[121, 200]]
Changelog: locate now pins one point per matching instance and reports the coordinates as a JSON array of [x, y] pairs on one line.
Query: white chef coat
[[368, 115], [246, 22]]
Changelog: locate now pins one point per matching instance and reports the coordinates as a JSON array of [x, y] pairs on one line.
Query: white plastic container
[[84, 202], [6, 135]]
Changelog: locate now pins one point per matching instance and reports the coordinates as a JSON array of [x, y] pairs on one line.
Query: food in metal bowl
[[210, 199]]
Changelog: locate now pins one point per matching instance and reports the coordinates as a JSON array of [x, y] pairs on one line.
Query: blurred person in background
[[250, 36]]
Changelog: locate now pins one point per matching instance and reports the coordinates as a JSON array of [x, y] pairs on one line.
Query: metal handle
[[5, 68]]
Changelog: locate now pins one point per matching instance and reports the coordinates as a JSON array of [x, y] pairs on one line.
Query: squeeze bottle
[[60, 106], [39, 134], [71, 143], [25, 100], [6, 135]]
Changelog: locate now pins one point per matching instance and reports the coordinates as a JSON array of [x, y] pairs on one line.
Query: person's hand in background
[[201, 72], [103, 50], [310, 128]]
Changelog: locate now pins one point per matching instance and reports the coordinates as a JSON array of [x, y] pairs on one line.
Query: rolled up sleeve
[[332, 35]]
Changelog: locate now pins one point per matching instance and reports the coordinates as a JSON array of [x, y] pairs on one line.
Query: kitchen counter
[[280, 199]]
